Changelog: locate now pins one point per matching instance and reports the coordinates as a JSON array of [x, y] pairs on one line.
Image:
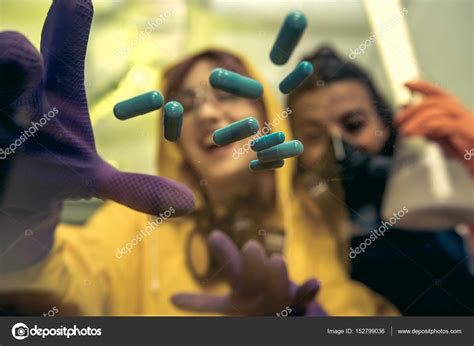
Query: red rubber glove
[[442, 118]]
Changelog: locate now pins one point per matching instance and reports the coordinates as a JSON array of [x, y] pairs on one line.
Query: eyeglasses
[[193, 99]]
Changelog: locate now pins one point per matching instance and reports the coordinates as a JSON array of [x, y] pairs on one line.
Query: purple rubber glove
[[260, 285], [47, 149]]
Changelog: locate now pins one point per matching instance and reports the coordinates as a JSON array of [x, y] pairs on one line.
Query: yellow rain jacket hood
[[123, 262]]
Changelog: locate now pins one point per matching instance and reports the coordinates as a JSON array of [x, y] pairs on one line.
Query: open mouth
[[207, 144], [209, 147]]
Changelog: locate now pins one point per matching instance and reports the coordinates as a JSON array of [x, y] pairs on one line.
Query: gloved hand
[[47, 146], [260, 285], [441, 118]]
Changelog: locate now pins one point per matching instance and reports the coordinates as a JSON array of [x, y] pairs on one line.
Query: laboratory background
[[132, 41]]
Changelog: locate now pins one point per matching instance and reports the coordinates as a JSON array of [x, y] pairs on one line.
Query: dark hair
[[329, 67]]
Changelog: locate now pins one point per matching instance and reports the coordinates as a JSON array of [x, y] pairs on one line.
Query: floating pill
[[267, 141], [288, 37], [296, 77], [173, 119], [281, 151], [235, 83], [236, 131], [138, 105], [257, 165]]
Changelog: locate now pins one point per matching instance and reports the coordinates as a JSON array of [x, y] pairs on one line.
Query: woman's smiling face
[[206, 110]]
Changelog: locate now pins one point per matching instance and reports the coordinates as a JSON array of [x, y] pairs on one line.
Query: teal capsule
[[173, 119], [235, 83], [267, 141], [138, 105], [296, 77], [281, 151], [257, 165], [288, 37], [236, 131]]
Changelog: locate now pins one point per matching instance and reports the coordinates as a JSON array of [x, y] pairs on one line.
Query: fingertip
[[176, 297], [424, 87], [254, 254], [217, 237], [186, 203], [64, 41], [306, 292], [179, 300], [252, 246], [175, 195], [72, 5], [313, 285], [276, 259], [215, 234], [415, 83], [410, 83]]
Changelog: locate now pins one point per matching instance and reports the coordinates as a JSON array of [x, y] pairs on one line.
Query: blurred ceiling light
[[347, 13], [387, 20]]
